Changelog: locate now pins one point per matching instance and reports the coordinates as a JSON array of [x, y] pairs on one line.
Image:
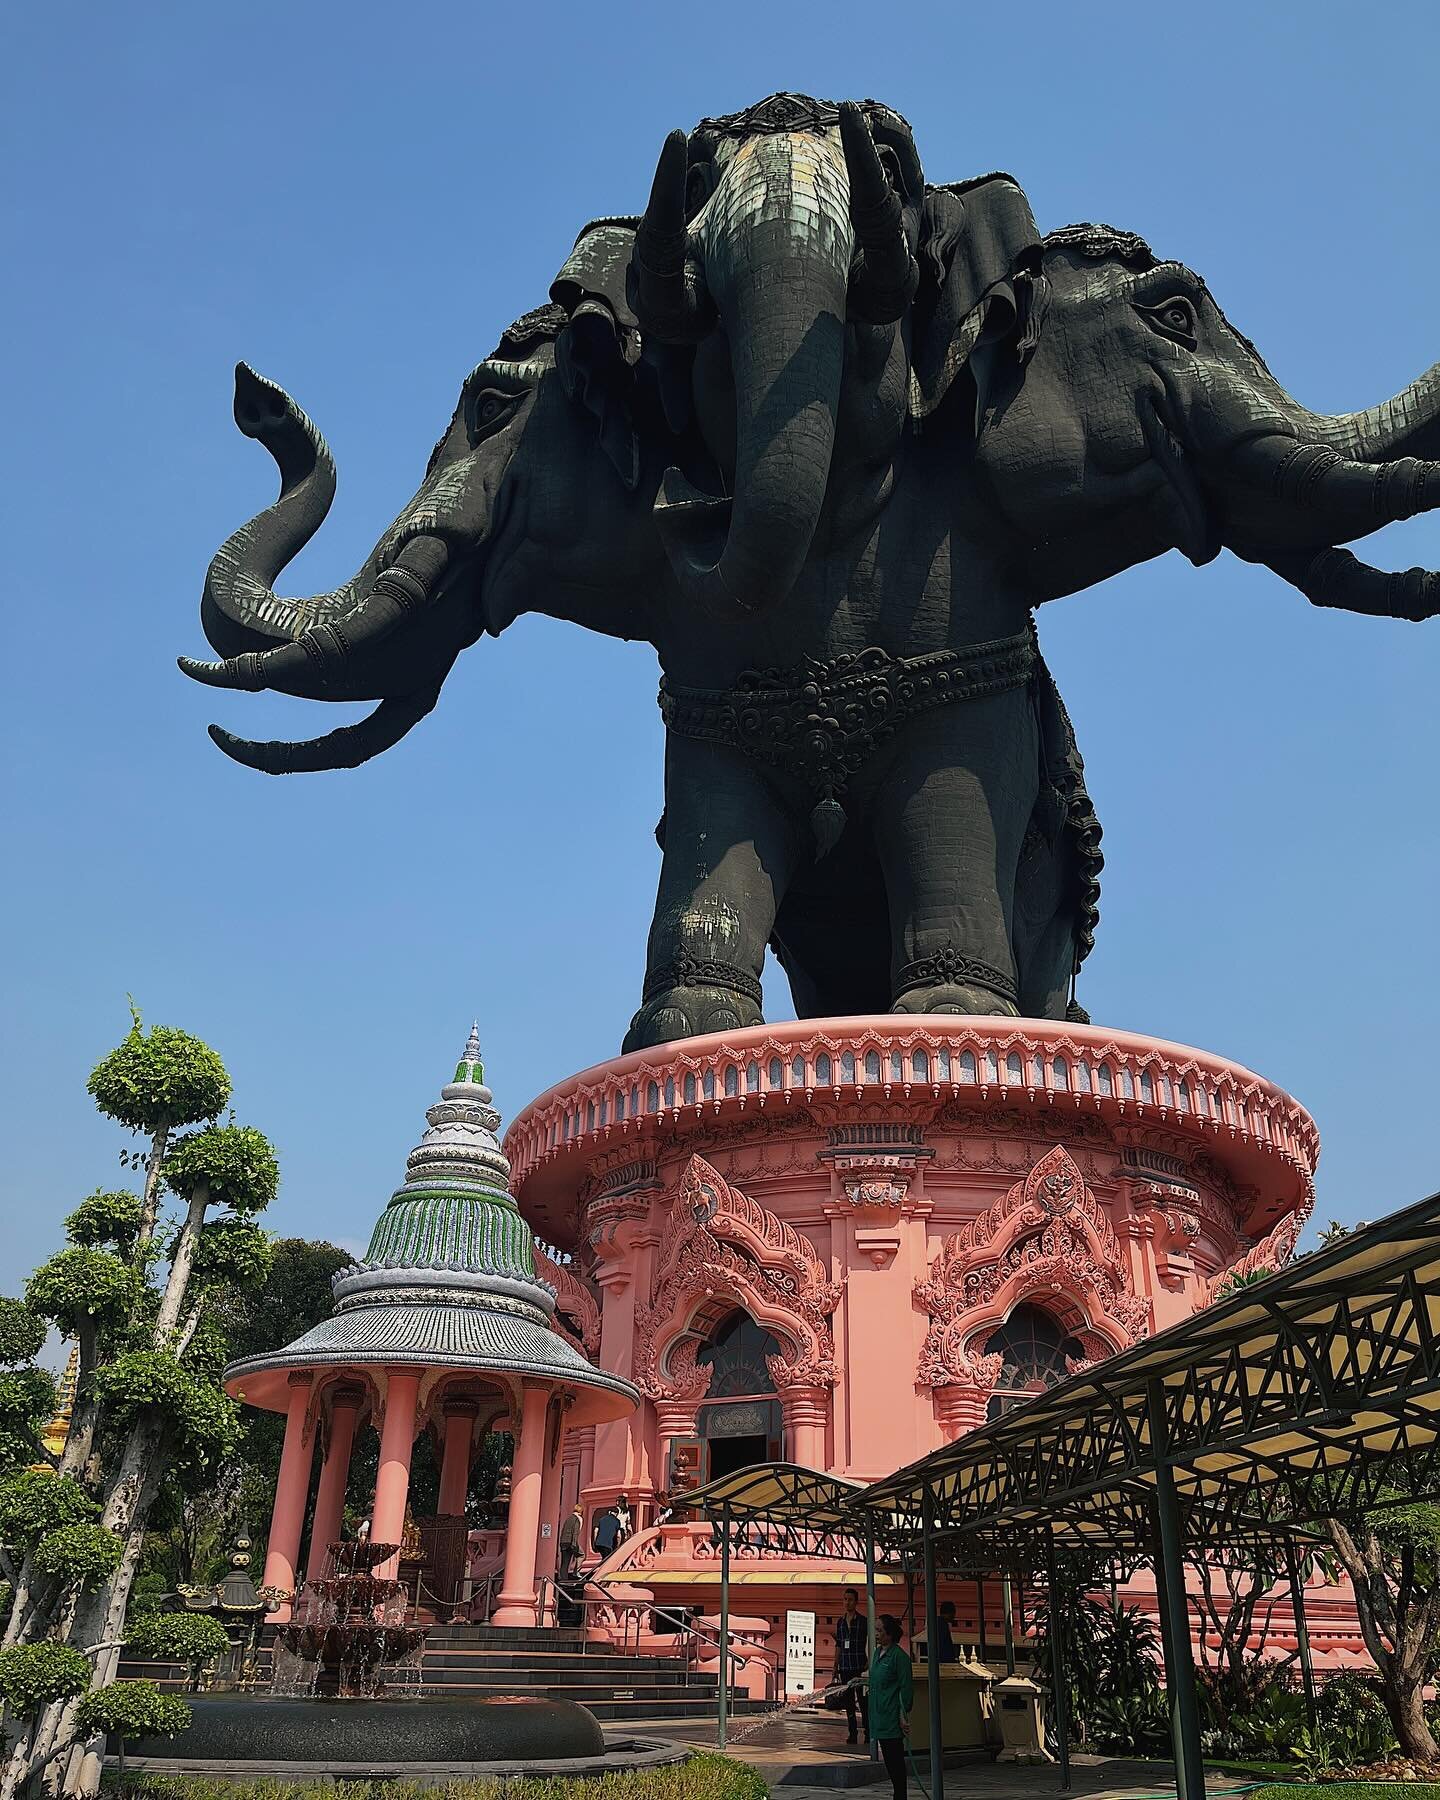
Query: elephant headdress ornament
[[826, 435]]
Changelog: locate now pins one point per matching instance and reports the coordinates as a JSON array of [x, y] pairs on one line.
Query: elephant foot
[[682, 1012], [954, 997]]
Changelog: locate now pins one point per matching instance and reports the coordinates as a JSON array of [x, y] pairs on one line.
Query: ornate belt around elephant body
[[822, 721]]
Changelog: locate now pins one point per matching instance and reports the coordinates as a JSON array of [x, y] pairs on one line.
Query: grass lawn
[[1350, 1790]]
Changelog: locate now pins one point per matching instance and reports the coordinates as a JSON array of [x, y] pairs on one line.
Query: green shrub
[[233, 1251], [205, 1420], [106, 1220], [159, 1077], [81, 1555], [131, 1709], [32, 1675], [702, 1777], [81, 1287], [33, 1504], [235, 1161], [22, 1332], [1351, 1708], [177, 1637]]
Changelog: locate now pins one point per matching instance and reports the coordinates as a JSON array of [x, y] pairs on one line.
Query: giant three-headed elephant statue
[[827, 436]]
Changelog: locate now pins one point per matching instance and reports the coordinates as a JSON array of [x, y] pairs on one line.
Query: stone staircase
[[486, 1660]]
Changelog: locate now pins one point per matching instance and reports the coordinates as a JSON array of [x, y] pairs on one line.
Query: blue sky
[[357, 199]]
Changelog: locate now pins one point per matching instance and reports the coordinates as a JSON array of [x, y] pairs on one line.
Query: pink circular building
[[842, 1242]]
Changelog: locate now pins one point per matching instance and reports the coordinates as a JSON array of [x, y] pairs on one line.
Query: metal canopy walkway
[[1313, 1393]]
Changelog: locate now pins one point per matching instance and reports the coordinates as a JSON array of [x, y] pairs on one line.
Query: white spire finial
[[472, 1044]]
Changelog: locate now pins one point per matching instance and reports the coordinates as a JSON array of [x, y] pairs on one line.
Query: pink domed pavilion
[[443, 1327]]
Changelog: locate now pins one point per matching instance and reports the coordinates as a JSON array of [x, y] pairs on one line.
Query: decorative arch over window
[[721, 1252], [1048, 1236]]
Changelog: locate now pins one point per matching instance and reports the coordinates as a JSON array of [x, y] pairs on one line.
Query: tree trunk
[[173, 1299], [150, 1194], [1406, 1700]]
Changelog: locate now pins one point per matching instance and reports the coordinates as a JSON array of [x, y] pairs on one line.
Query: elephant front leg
[[949, 814], [729, 848]]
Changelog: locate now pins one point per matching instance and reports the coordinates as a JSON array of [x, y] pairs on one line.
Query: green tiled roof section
[[471, 1231]]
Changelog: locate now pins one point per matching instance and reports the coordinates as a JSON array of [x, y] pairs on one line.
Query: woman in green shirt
[[892, 1694]]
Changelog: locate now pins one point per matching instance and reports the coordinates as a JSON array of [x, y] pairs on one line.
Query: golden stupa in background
[[55, 1433]]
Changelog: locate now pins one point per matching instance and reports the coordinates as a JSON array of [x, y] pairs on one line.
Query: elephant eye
[[1173, 318], [486, 410]]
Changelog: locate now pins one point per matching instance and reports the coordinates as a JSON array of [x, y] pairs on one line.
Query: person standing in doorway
[[605, 1534], [570, 1542], [945, 1650], [624, 1517], [892, 1694], [852, 1651]]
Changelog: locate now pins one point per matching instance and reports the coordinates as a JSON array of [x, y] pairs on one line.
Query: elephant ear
[[981, 287], [596, 351]]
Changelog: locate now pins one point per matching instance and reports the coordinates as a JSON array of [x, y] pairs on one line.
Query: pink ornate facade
[[920, 1218]]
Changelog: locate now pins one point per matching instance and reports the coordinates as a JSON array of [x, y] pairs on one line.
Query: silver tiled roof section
[[438, 1336]]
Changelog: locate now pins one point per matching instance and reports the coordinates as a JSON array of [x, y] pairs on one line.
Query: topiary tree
[[190, 1638], [132, 1288], [35, 1678], [127, 1710], [27, 1394]]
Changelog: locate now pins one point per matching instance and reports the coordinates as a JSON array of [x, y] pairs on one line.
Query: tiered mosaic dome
[[448, 1280]]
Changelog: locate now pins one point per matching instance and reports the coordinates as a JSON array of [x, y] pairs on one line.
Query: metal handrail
[[688, 1624]]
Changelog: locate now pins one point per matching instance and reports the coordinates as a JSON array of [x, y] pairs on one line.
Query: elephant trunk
[[1348, 497], [239, 609], [776, 240]]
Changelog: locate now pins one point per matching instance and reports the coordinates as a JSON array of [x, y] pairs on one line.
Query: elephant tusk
[[346, 748], [669, 304], [886, 275], [318, 658]]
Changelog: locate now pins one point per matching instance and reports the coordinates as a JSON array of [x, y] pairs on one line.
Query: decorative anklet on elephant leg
[[950, 968]]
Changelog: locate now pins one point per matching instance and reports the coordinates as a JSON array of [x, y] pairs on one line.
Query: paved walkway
[[803, 1756]]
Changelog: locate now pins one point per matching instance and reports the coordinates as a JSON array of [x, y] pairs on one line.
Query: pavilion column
[[460, 1415], [517, 1590], [345, 1404], [805, 1411], [547, 1555], [287, 1521], [392, 1481]]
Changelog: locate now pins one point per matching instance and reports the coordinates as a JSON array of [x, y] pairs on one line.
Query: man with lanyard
[[852, 1651]]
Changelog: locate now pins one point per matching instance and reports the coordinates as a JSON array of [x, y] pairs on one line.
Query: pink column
[[550, 1484], [287, 1521], [334, 1475], [517, 1590], [392, 1482], [803, 1410], [460, 1416]]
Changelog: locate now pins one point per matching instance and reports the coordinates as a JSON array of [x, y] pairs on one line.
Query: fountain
[[347, 1692], [349, 1635]]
